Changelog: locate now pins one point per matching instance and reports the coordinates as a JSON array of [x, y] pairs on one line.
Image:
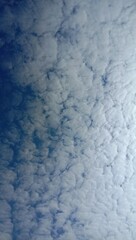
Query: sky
[[67, 120]]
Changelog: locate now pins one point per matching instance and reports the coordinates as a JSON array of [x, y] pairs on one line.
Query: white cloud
[[68, 160]]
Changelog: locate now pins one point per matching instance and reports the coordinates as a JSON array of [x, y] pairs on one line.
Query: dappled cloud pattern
[[68, 120]]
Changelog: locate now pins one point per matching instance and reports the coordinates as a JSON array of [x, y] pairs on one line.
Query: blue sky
[[67, 120]]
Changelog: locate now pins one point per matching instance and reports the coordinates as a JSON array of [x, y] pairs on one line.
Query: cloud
[[67, 168]]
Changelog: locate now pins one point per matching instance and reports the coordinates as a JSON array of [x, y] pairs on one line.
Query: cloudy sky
[[67, 120]]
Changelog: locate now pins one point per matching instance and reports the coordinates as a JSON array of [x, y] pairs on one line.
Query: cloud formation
[[68, 104]]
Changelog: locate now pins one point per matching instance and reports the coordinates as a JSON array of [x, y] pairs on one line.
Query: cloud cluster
[[68, 104]]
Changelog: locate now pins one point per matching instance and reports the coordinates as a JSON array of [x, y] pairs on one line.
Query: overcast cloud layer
[[68, 120]]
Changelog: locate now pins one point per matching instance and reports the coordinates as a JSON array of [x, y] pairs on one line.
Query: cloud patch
[[67, 86]]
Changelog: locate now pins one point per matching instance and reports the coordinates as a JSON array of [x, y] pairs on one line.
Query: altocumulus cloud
[[67, 120]]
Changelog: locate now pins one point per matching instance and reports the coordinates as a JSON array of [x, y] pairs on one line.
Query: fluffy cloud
[[68, 104]]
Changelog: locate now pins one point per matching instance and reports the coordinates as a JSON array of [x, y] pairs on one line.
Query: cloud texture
[[68, 114]]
